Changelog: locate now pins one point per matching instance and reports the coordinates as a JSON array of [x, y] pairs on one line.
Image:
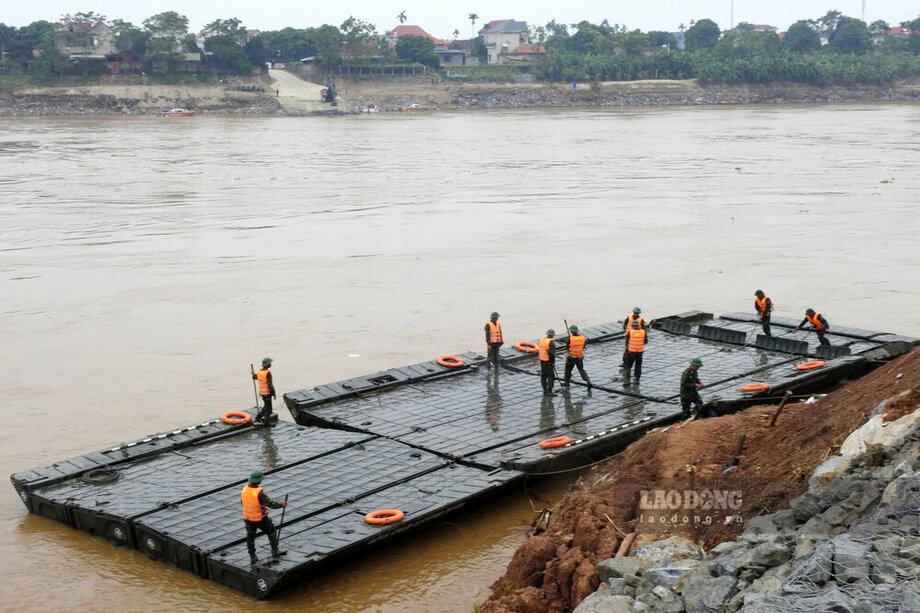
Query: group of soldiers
[[635, 333]]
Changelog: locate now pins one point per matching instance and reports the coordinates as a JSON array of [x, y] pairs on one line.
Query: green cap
[[696, 362], [255, 477], [758, 293], [635, 323], [266, 362], [550, 332], [494, 315], [573, 328], [637, 310], [809, 311]]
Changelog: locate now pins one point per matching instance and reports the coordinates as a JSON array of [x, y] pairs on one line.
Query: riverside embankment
[[815, 516], [259, 97]]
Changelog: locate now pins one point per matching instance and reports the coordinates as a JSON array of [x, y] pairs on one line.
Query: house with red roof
[[402, 30]]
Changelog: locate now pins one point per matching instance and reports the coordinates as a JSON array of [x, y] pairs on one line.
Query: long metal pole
[[281, 523], [255, 390]]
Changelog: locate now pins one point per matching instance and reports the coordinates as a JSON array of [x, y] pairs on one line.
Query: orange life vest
[[761, 304], [633, 317], [576, 346], [495, 332], [636, 340], [252, 508], [544, 344], [262, 377], [814, 321]]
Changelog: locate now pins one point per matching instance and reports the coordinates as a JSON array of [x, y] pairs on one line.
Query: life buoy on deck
[[809, 365], [556, 441], [755, 387], [450, 361], [526, 347], [384, 516], [236, 418]]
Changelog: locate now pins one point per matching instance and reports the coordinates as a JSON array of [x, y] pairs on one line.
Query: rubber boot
[[276, 553], [588, 381], [253, 559]]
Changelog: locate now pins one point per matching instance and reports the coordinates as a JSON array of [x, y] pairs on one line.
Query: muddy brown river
[[145, 263]]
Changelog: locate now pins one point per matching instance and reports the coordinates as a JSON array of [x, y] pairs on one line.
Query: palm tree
[[681, 27], [456, 33], [473, 18], [402, 17]]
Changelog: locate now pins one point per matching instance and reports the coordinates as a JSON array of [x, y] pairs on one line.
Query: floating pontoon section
[[426, 439]]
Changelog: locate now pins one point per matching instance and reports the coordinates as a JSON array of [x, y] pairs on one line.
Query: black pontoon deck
[[425, 439]]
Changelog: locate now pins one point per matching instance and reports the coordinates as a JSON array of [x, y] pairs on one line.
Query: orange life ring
[[526, 347], [236, 418], [809, 365], [384, 516], [755, 387], [450, 361], [556, 441]]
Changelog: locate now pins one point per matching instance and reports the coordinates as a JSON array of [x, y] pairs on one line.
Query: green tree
[[232, 27], [825, 26], [801, 37], [633, 43], [129, 37], [417, 49], [473, 17], [166, 32], [287, 45], [226, 54], [357, 34], [328, 42], [702, 35], [189, 44], [851, 36], [478, 49], [658, 38], [256, 51], [585, 39]]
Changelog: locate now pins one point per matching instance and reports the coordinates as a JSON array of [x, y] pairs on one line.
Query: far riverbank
[[258, 98]]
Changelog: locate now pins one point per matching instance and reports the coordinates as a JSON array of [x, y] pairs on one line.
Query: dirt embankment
[[257, 96], [553, 571], [458, 95], [252, 97]]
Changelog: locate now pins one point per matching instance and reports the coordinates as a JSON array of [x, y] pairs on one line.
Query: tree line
[[833, 49]]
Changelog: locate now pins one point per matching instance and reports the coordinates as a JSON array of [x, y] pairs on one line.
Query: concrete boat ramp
[[425, 439]]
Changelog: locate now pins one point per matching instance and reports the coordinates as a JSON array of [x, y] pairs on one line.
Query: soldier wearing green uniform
[[689, 384]]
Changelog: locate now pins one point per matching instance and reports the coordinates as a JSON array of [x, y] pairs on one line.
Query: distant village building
[[403, 30], [86, 41], [503, 38]]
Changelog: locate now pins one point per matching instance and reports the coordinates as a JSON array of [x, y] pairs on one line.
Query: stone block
[[600, 602], [617, 568], [708, 595]]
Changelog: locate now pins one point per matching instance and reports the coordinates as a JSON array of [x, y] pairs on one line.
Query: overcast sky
[[441, 18]]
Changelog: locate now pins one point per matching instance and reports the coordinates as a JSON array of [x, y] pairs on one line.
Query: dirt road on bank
[[295, 94]]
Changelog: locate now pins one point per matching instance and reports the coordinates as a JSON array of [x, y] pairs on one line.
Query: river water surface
[[145, 263]]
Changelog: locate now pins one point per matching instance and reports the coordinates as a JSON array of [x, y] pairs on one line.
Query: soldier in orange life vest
[[266, 390], [818, 324], [763, 306], [636, 338], [627, 324], [575, 356], [494, 340], [546, 349], [255, 515]]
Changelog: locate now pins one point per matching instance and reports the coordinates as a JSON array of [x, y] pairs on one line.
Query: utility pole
[[732, 21]]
